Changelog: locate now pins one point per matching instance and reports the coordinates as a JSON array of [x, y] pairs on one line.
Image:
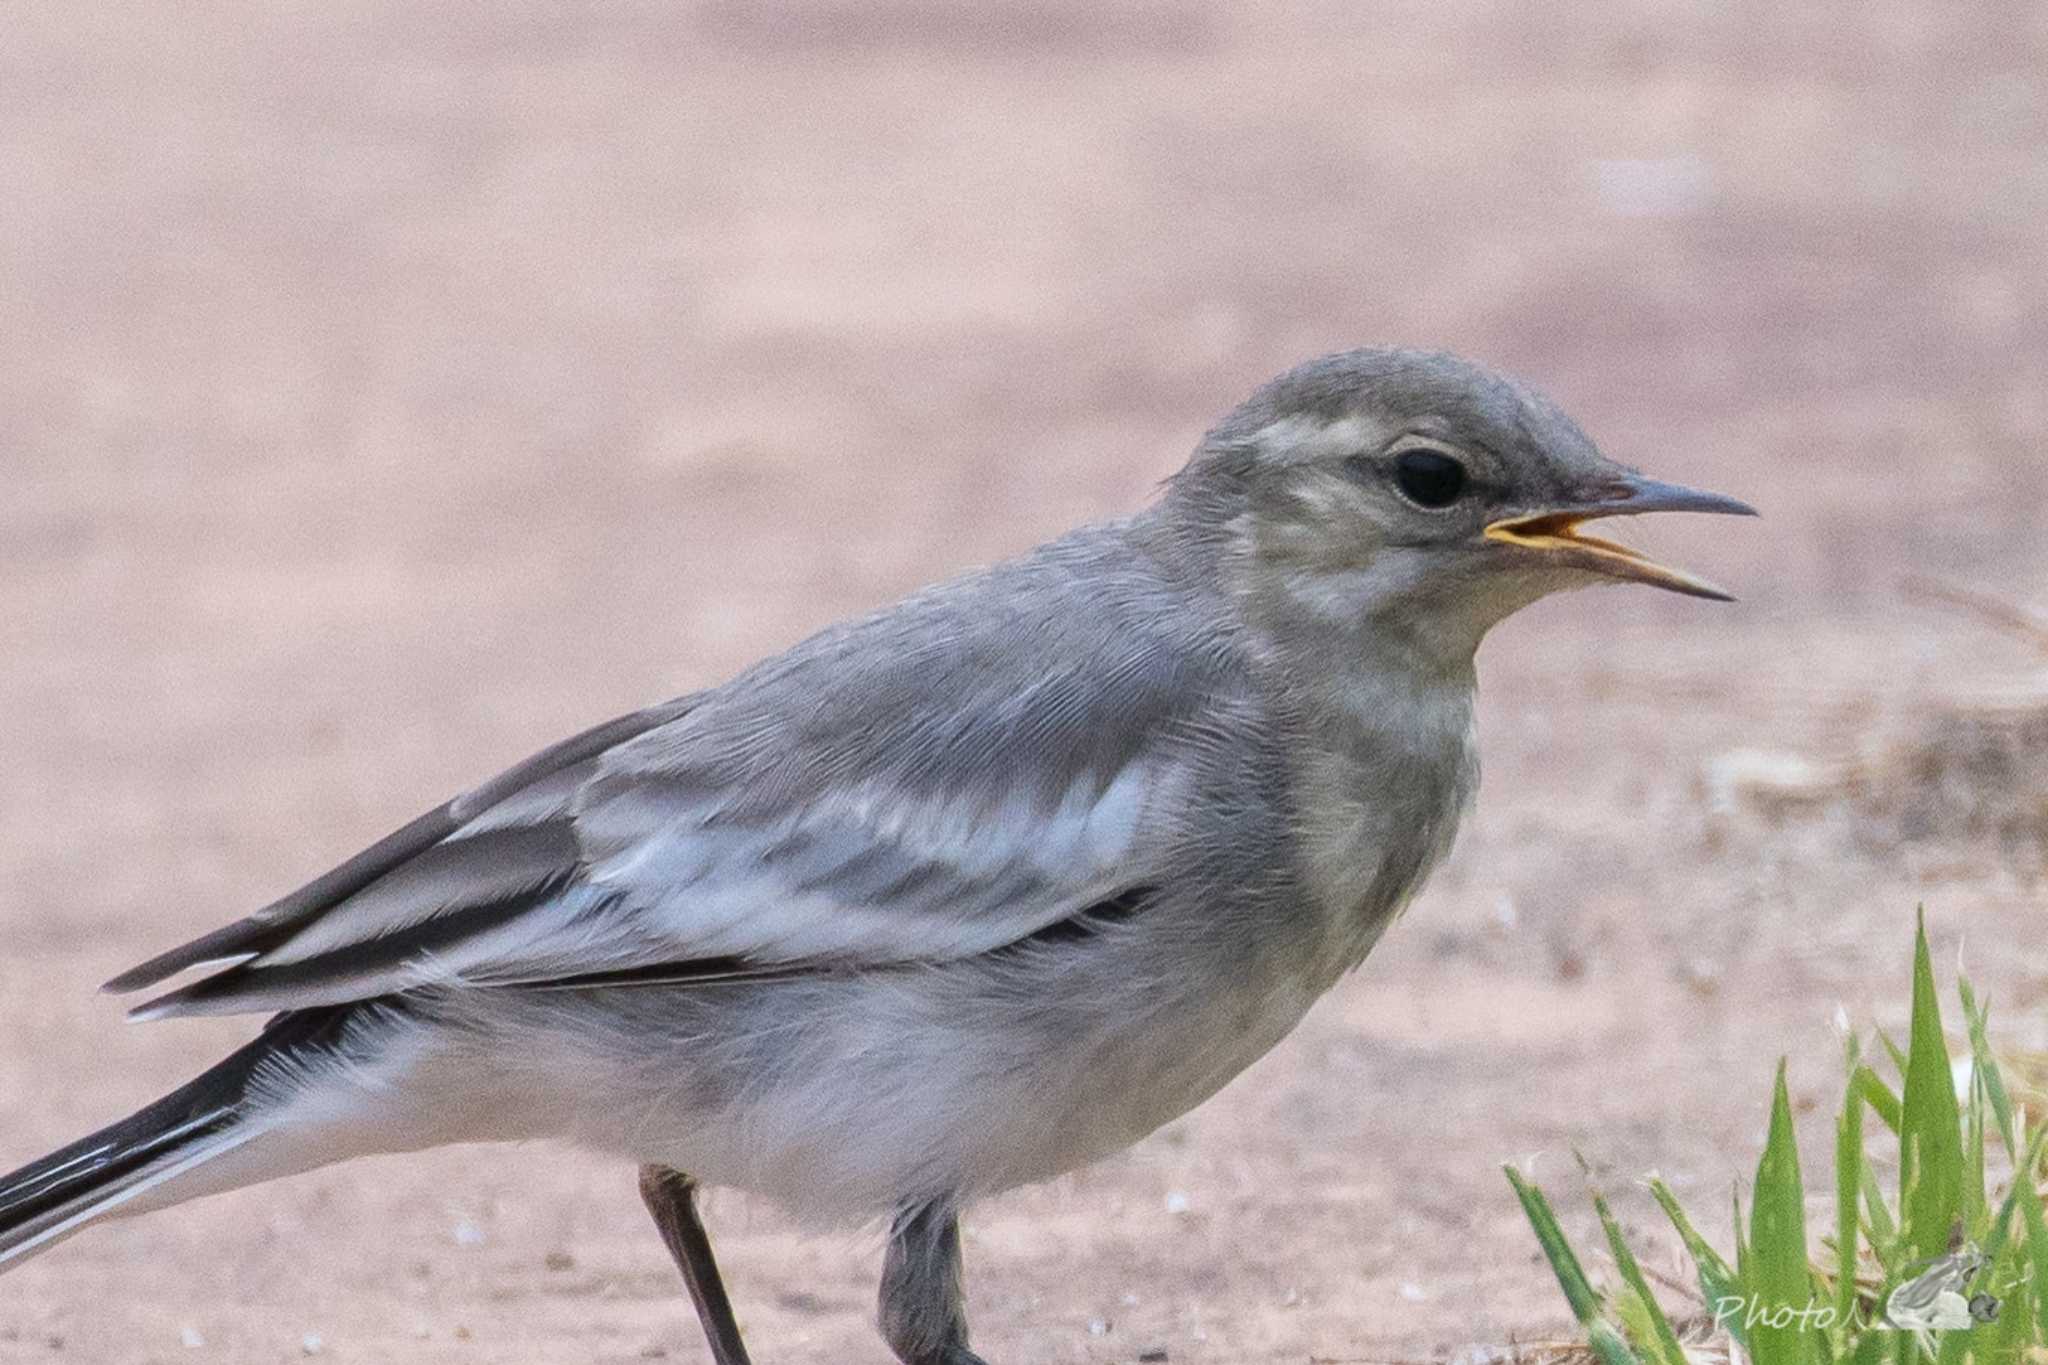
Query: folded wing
[[934, 782]]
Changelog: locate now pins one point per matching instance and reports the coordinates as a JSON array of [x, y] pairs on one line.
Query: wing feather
[[515, 794], [954, 775]]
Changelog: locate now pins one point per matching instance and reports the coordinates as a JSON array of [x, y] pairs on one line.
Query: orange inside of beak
[[1558, 532]]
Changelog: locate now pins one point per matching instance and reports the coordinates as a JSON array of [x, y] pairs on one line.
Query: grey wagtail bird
[[947, 899]]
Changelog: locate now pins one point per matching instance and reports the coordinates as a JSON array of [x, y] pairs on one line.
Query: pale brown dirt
[[386, 390]]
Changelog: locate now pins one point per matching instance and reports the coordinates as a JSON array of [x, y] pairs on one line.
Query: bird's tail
[[154, 1157]]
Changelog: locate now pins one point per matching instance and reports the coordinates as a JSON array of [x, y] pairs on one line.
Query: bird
[[947, 899]]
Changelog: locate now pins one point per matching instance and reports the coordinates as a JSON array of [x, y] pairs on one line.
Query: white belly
[[841, 1098]]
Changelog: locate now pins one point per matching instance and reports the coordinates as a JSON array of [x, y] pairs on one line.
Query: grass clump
[[1933, 1270]]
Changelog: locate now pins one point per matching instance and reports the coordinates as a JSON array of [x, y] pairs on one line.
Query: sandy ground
[[386, 390]]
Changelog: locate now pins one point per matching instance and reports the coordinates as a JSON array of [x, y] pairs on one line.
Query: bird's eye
[[1429, 478]]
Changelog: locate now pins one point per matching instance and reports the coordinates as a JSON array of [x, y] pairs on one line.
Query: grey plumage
[[949, 898]]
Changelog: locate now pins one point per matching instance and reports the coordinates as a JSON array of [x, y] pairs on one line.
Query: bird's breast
[[1378, 802]]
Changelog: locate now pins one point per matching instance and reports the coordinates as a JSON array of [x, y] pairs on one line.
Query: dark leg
[[671, 1197], [924, 1314]]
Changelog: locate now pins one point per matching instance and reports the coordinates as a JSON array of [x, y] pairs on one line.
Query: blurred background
[[387, 390]]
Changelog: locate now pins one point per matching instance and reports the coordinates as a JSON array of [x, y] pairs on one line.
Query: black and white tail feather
[[123, 1164]]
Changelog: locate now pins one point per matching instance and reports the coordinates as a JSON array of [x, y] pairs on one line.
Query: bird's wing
[[496, 844], [934, 782]]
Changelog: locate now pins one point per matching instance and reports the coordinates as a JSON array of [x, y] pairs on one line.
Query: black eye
[[1428, 478]]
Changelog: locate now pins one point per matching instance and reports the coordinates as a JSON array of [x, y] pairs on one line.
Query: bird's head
[[1419, 491]]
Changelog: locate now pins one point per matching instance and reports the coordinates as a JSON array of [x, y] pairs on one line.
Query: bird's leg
[[923, 1312], [671, 1197]]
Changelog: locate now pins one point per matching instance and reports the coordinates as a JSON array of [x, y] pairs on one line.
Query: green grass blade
[[1974, 1198], [1930, 1138], [1898, 1057], [1871, 1087], [1638, 1318], [1608, 1345], [1823, 1350], [2016, 1266], [1578, 1290], [1742, 1265], [1883, 1232], [1778, 1277], [1660, 1337], [1571, 1276], [1870, 1349], [2037, 1237], [1848, 1178], [1986, 1065], [2015, 1330], [2001, 1226], [1719, 1284]]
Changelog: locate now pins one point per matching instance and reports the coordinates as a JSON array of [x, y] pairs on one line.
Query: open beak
[[1556, 532]]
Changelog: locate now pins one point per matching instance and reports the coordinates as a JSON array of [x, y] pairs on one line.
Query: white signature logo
[[1934, 1300]]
